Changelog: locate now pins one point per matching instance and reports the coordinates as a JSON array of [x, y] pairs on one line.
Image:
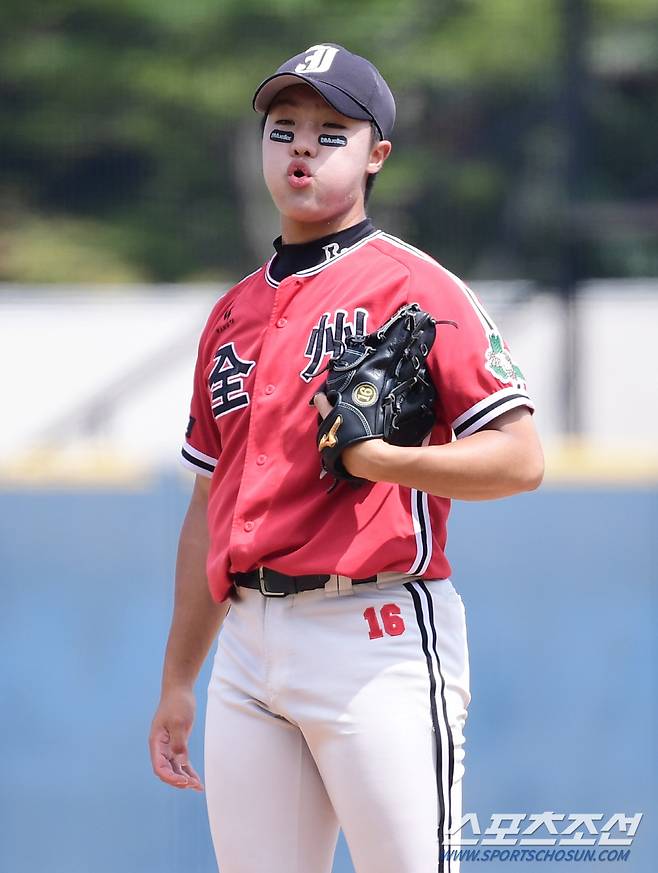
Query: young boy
[[340, 683]]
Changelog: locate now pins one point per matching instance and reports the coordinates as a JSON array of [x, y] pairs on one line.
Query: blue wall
[[560, 592]]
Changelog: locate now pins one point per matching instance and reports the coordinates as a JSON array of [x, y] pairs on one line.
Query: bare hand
[[322, 404], [170, 730], [356, 458]]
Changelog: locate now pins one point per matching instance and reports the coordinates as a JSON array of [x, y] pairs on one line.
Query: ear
[[380, 151]]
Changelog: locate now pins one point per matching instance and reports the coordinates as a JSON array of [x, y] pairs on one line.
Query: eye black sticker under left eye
[[336, 140], [282, 135]]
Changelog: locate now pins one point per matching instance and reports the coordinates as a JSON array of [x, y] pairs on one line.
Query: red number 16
[[391, 619]]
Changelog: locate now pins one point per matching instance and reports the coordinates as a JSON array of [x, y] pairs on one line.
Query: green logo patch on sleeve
[[498, 361]]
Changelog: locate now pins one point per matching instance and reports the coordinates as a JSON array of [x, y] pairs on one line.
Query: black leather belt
[[271, 583]]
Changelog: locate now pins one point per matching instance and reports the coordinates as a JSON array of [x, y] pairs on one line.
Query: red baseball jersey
[[252, 431]]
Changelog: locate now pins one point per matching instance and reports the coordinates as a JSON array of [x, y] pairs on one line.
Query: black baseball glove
[[379, 387]]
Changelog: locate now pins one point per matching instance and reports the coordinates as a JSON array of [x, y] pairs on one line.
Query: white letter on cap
[[320, 61]]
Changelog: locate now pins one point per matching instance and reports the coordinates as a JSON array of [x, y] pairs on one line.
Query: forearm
[[483, 466], [196, 617]]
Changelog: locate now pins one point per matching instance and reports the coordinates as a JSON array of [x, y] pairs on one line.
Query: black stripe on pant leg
[[451, 745], [415, 596]]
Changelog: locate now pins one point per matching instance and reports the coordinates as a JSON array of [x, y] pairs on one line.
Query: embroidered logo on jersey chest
[[326, 338], [226, 381]]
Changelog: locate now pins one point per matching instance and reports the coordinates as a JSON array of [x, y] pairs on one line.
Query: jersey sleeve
[[202, 446], [471, 365]]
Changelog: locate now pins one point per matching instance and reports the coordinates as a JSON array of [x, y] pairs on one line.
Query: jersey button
[[269, 389], [282, 322], [248, 525], [260, 460]]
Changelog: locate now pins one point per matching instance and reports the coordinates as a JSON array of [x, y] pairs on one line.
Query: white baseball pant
[[338, 707]]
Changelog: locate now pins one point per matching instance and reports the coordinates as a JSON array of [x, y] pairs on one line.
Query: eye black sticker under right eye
[[337, 140], [282, 135]]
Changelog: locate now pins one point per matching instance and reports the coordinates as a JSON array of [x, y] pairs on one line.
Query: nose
[[303, 144]]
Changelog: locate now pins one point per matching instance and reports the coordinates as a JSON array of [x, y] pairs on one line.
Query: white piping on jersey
[[517, 397], [248, 276], [230, 292], [200, 455], [483, 404], [422, 525], [484, 318], [491, 407], [311, 271], [200, 471]]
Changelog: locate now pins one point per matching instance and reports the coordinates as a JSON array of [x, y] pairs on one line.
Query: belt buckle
[[263, 589]]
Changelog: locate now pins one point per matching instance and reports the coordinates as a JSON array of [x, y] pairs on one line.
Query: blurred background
[[525, 160]]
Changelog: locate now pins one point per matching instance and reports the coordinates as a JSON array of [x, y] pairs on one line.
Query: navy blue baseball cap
[[350, 83]]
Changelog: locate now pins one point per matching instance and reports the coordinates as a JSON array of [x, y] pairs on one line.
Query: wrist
[[378, 460], [173, 683]]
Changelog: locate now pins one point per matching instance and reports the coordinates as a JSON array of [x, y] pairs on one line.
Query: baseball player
[[340, 682]]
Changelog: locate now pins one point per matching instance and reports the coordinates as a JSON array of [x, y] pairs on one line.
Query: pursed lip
[[299, 175], [298, 165]]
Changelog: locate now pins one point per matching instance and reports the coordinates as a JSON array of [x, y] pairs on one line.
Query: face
[[310, 182]]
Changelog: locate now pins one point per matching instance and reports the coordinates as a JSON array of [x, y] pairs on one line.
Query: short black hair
[[374, 138]]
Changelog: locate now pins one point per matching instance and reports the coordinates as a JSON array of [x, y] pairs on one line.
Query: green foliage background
[[123, 127]]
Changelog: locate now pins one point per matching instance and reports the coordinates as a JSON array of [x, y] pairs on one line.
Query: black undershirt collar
[[293, 257]]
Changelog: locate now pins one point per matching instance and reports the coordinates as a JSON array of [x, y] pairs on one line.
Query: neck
[[293, 232]]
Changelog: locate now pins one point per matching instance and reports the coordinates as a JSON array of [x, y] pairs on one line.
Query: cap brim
[[340, 101]]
